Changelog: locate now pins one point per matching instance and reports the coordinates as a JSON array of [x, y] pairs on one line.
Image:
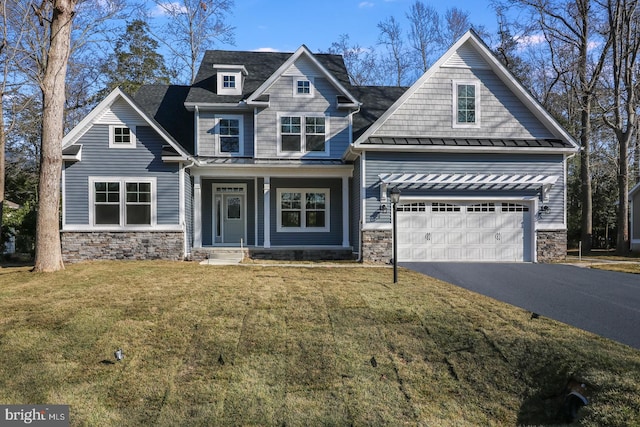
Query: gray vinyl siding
[[144, 162], [548, 164], [332, 238], [207, 208], [324, 103], [429, 112], [207, 133]]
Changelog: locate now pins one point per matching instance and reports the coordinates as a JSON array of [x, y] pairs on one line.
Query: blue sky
[[284, 25]]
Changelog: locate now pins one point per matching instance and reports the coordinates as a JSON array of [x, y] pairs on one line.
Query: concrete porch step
[[221, 256]]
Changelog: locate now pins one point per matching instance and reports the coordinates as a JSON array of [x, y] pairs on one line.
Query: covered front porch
[[291, 211]]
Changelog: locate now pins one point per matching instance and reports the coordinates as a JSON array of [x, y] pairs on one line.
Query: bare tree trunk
[[622, 244], [586, 235], [48, 250], [3, 143]]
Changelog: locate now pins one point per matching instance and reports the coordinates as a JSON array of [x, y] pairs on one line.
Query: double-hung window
[[303, 210], [122, 202], [466, 108], [230, 135], [303, 134]]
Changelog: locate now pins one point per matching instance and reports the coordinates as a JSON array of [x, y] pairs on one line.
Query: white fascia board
[[224, 67], [505, 76], [85, 124], [441, 149], [217, 106], [302, 50], [411, 91], [634, 190], [326, 171], [521, 92]]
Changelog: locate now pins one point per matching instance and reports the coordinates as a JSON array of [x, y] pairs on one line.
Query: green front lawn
[[272, 346]]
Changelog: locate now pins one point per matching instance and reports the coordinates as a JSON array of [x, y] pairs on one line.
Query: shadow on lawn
[[556, 402]]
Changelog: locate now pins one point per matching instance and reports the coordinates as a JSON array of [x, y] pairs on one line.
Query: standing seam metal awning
[[456, 181]]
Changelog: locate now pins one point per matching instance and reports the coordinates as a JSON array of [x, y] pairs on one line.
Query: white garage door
[[464, 232]]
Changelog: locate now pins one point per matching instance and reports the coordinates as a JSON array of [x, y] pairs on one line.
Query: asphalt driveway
[[603, 302]]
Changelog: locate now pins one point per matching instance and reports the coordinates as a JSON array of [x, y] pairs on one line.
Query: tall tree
[[360, 62], [624, 27], [192, 27], [578, 47], [424, 34], [397, 59], [135, 61], [12, 27], [48, 251], [456, 23]]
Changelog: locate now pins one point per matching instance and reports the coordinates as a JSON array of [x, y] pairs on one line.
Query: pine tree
[[135, 61]]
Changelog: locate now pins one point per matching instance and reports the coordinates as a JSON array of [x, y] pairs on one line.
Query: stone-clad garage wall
[[83, 246], [551, 245], [377, 248]]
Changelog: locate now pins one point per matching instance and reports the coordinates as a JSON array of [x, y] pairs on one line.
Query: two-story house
[[279, 154]]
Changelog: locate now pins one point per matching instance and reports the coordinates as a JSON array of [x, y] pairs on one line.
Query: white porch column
[[197, 212], [267, 212], [345, 211]]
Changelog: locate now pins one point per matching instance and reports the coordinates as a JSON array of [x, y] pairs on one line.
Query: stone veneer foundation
[[140, 245], [377, 248], [551, 245]]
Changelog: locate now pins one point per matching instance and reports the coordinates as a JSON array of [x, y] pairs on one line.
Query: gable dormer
[[230, 79]]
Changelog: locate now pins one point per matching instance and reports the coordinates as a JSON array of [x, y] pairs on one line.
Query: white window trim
[[454, 112], [123, 205], [304, 228], [218, 137], [303, 151], [131, 144], [311, 93], [229, 90]]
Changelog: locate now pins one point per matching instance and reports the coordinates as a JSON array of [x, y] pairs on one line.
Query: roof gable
[[119, 101], [259, 67], [469, 52], [297, 64]]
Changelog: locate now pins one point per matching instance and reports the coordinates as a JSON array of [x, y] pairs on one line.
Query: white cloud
[[266, 49], [166, 9], [532, 40], [365, 4]]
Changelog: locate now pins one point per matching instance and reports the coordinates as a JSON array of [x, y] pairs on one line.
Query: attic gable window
[[466, 104], [303, 87], [121, 136]]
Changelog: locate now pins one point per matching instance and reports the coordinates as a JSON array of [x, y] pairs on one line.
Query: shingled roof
[[259, 65], [375, 101], [165, 103]]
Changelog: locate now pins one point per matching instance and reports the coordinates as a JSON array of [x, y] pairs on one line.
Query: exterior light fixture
[[394, 195]]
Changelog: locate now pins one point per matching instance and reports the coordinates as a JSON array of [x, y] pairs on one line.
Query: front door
[[229, 214], [233, 223]]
